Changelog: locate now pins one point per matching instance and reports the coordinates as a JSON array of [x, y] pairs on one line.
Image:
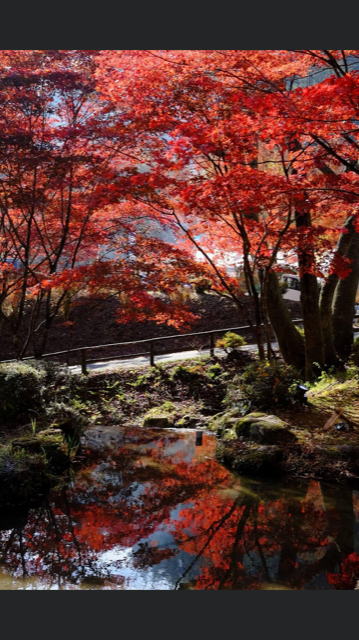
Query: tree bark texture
[[327, 295], [309, 297], [291, 342], [343, 303]]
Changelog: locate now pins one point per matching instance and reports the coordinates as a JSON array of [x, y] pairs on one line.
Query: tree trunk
[[291, 342], [327, 296], [309, 297], [343, 304]]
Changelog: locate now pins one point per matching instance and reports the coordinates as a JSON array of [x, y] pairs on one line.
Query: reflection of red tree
[[235, 537], [299, 532]]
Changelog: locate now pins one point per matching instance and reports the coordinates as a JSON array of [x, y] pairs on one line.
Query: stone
[[339, 451], [264, 429], [223, 421], [254, 459], [160, 421], [187, 421], [348, 450]]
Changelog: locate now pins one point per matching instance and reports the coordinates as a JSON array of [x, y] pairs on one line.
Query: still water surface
[[151, 510]]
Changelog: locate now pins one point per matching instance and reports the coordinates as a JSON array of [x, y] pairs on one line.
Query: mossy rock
[[264, 429], [23, 478], [339, 452], [50, 445], [223, 421], [349, 451], [187, 422], [342, 454], [30, 466], [159, 421], [252, 460]]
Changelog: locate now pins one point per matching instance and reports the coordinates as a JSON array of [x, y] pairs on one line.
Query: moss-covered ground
[[45, 440]]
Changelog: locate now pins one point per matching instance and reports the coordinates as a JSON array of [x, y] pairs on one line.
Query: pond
[[154, 510]]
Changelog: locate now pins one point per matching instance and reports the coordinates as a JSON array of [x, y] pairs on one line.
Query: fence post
[[152, 354], [211, 342], [83, 362]]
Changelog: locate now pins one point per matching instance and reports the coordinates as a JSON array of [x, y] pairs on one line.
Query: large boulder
[[159, 421], [252, 459], [264, 429], [225, 421]]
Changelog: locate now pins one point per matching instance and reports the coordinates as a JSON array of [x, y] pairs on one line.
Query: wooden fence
[[84, 360], [152, 342]]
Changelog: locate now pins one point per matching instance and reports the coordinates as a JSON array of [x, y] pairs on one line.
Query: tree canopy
[[248, 158]]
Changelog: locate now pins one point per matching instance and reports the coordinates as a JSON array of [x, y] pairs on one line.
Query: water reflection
[[153, 510]]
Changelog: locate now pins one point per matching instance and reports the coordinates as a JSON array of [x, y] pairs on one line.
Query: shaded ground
[[93, 322], [189, 393]]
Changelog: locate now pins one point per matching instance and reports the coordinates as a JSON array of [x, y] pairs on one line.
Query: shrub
[[266, 385], [165, 408], [230, 341], [215, 370], [67, 418], [188, 373], [300, 330], [55, 373], [21, 388]]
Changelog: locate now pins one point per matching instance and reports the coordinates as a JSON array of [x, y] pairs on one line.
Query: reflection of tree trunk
[[338, 504], [289, 550], [258, 544], [213, 530], [291, 342], [57, 532], [7, 546], [22, 553], [234, 555], [76, 542], [340, 517], [286, 565]]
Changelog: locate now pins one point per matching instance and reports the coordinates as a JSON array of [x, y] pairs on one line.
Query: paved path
[[140, 361], [131, 363]]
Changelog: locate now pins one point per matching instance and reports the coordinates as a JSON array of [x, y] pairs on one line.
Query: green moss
[[263, 429], [29, 466], [251, 460], [51, 446], [220, 422], [158, 421], [265, 385]]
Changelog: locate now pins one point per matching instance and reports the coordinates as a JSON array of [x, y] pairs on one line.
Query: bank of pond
[[175, 478], [154, 509]]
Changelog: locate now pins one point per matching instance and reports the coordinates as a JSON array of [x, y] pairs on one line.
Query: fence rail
[[82, 351]]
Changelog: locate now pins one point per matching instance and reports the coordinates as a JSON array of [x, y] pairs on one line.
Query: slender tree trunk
[[343, 303], [327, 296], [309, 297], [291, 342], [264, 286]]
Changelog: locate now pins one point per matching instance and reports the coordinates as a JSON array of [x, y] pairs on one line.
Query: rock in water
[[253, 460], [264, 429], [158, 422]]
